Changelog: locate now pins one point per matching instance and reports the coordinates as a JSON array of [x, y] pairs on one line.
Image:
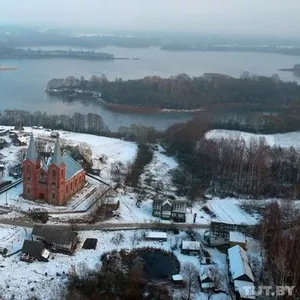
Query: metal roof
[[56, 157], [52, 235], [239, 263], [33, 248], [72, 166], [31, 151]]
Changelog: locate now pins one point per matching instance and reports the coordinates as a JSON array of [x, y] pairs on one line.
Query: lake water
[[24, 88]]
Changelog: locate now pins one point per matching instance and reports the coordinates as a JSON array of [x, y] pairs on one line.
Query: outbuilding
[[190, 247], [237, 238], [156, 236], [34, 251]]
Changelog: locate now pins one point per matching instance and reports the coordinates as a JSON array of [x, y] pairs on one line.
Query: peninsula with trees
[[19, 53], [211, 92]]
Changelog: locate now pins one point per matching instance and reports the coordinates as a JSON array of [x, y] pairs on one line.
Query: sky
[[246, 17]]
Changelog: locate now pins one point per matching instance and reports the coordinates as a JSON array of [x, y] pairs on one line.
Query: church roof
[[56, 157], [31, 151], [72, 166]]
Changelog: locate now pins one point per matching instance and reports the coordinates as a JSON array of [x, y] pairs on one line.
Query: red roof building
[[54, 182]]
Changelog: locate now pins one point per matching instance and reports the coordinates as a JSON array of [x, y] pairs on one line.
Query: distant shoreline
[[5, 68]]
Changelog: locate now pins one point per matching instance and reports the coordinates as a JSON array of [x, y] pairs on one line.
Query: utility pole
[[6, 197]]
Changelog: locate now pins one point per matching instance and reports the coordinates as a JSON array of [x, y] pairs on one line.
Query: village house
[[55, 239], [54, 134], [190, 247], [207, 278], [56, 180], [34, 250], [237, 238], [169, 209], [240, 273]]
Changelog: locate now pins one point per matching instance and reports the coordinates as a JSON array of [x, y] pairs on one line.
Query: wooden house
[[169, 210], [178, 210], [207, 278], [55, 239], [190, 247]]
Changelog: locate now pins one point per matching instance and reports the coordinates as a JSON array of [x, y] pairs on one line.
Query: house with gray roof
[[55, 239], [169, 209]]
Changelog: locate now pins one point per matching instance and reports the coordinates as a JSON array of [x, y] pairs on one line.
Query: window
[[53, 195], [53, 173], [28, 178], [28, 168], [28, 191]]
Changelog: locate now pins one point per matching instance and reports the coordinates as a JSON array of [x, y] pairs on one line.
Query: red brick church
[[54, 182]]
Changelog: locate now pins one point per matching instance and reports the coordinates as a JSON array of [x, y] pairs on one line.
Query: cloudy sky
[[255, 17]]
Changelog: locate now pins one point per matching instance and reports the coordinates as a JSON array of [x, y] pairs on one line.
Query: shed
[[190, 247], [156, 236], [177, 278], [34, 250], [54, 134], [237, 238], [90, 244]]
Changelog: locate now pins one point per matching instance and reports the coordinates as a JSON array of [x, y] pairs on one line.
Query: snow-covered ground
[[21, 280], [284, 140], [227, 210]]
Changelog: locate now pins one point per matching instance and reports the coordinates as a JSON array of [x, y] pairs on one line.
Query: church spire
[[31, 151], [56, 157]]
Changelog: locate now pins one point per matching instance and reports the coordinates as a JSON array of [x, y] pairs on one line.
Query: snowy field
[[45, 280], [284, 140], [227, 210]]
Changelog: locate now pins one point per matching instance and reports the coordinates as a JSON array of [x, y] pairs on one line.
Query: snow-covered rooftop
[[177, 277], [237, 237], [239, 263], [190, 245], [156, 235], [245, 288]]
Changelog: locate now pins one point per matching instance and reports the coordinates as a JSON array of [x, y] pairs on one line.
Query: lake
[[24, 88]]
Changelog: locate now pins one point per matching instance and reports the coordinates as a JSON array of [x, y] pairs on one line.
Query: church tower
[[56, 177], [30, 167]]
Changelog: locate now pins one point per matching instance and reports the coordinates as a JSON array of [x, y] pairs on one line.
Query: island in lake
[[18, 53], [182, 93]]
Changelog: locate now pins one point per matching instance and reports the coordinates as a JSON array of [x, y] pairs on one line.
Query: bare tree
[[134, 238], [190, 274]]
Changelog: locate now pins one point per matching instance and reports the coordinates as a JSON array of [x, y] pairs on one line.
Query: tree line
[[257, 93], [279, 234], [86, 123], [231, 167]]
